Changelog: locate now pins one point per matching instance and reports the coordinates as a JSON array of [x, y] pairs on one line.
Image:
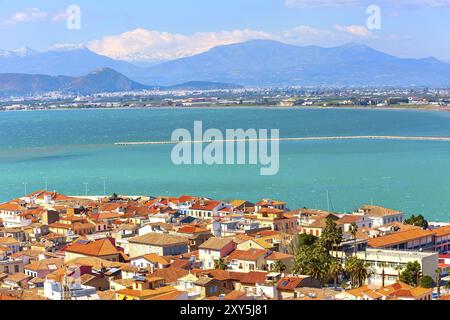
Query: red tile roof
[[187, 198], [399, 237], [98, 248], [443, 231], [205, 205], [290, 283], [12, 206], [254, 277], [249, 255], [170, 274], [191, 229]]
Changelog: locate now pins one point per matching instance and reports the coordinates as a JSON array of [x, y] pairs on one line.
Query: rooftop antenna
[[46, 183]]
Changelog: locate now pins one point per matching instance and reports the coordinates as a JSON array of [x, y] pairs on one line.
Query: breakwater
[[411, 138]]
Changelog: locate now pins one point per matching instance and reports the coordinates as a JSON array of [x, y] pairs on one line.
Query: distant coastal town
[[59, 247], [288, 97]]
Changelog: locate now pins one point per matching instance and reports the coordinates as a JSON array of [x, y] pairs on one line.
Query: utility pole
[[328, 201], [104, 187], [25, 185], [86, 188]]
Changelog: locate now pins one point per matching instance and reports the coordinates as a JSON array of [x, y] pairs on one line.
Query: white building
[[379, 215], [11, 213], [53, 291], [395, 262]]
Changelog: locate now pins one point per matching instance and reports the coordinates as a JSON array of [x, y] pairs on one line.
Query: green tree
[[418, 221], [301, 240], [220, 264], [399, 268], [437, 272], [358, 271], [411, 274], [331, 234], [279, 266], [313, 261], [335, 270], [426, 282], [353, 232], [114, 197], [383, 272]]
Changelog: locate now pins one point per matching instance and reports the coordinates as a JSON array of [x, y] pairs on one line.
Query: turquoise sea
[[72, 148]]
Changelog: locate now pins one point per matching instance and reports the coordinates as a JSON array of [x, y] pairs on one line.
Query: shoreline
[[237, 107]]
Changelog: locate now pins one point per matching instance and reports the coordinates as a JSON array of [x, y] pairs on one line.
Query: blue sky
[[158, 30]]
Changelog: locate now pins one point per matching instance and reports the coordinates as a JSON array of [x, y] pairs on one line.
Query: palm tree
[[383, 273], [353, 231], [438, 281], [279, 267], [335, 269], [399, 269], [220, 264], [358, 270], [316, 270]]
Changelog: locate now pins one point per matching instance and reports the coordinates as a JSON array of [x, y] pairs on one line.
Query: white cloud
[[60, 16], [27, 15], [67, 46], [340, 3], [320, 3], [150, 45], [142, 44], [355, 30]]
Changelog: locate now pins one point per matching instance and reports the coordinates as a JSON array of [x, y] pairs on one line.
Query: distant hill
[[68, 62], [101, 80], [272, 63], [203, 85], [252, 63]]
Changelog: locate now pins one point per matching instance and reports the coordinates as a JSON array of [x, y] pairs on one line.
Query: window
[[214, 289]]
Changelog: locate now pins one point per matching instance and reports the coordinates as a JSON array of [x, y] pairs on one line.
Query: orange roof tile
[[443, 231], [254, 277], [215, 243], [205, 205], [279, 256], [249, 255], [98, 248], [377, 211], [399, 237]]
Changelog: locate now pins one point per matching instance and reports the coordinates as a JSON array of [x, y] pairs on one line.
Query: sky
[[142, 30]]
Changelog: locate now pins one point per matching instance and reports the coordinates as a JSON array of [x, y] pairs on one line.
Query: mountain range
[[101, 80], [252, 63]]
